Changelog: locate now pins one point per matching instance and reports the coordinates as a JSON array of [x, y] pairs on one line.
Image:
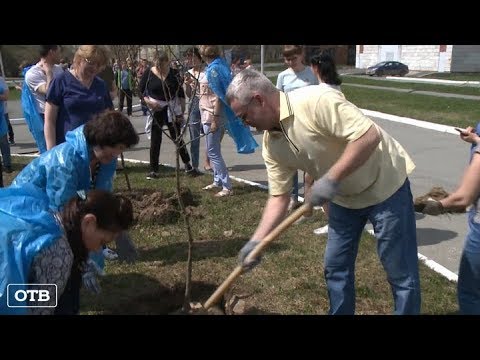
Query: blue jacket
[[65, 169], [26, 227], [219, 77]]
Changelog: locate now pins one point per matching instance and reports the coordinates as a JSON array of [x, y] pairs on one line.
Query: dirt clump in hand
[[436, 193]]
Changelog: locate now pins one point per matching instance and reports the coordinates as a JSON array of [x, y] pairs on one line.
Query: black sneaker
[[152, 175], [8, 169], [11, 142], [194, 172]]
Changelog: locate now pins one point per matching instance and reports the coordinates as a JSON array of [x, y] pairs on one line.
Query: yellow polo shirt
[[317, 124]]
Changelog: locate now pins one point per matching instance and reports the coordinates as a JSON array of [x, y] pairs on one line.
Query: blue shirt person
[[76, 103]]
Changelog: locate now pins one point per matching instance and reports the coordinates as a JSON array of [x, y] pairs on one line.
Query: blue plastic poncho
[[32, 117], [219, 77], [26, 227], [65, 169]]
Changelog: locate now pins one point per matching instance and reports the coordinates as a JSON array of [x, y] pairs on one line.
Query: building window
[[361, 49], [443, 48]]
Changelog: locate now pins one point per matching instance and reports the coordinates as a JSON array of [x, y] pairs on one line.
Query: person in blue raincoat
[[39, 246], [219, 77], [86, 160]]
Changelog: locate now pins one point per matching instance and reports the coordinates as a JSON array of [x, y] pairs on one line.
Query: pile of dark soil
[[436, 193], [155, 207]]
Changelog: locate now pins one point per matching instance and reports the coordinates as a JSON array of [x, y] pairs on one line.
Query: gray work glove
[[244, 251], [323, 190], [89, 276], [125, 248], [433, 207]]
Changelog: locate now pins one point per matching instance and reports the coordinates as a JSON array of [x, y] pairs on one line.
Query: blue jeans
[[220, 171], [144, 110], [395, 229], [194, 126], [468, 288], [5, 150]]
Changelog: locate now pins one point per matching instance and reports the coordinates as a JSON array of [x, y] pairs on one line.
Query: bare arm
[[355, 155], [469, 188], [274, 212], [114, 91], [51, 114], [188, 84], [216, 114], [42, 89]]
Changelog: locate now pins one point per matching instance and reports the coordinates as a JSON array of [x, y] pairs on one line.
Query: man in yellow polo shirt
[[358, 168]]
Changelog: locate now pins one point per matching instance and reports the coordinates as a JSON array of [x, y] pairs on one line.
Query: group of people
[[86, 161], [66, 191], [205, 83], [353, 166]]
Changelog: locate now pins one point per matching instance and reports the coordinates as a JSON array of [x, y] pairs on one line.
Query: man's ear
[[260, 99]]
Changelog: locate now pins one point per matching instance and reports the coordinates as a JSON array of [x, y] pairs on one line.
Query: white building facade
[[441, 58]]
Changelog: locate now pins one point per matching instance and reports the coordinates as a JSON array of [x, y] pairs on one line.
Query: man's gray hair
[[245, 83]]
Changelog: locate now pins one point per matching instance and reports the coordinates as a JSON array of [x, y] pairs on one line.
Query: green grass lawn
[[448, 111], [14, 94], [465, 90], [288, 281]]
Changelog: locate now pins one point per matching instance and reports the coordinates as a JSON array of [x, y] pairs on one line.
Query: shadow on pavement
[[429, 236]]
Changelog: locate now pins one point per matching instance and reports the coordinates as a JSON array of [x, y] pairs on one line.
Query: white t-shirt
[[289, 80], [35, 77]]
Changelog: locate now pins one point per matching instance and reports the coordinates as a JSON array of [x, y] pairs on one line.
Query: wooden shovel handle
[[284, 225]]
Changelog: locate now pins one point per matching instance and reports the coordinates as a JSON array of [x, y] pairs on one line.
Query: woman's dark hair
[[45, 49], [290, 50], [160, 56], [193, 51], [110, 128], [325, 65], [113, 213]]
